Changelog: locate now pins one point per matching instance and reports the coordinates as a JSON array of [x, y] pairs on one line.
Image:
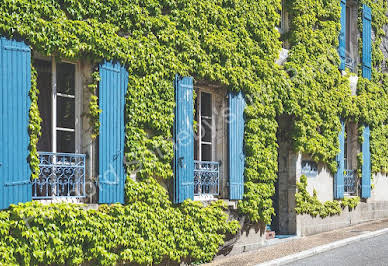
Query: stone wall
[[88, 146], [307, 225]]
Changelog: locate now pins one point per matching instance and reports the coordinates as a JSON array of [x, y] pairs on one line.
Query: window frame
[[350, 160], [351, 43], [53, 101]]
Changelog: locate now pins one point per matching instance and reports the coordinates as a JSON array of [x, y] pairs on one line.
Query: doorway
[[284, 222]]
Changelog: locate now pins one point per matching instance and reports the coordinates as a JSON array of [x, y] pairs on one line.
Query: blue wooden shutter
[[366, 42], [236, 145], [15, 83], [366, 73], [366, 165], [184, 140], [342, 37], [112, 88], [339, 176]]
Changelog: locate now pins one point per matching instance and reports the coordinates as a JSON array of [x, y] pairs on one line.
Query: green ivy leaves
[[94, 110], [307, 204], [148, 230], [373, 95], [232, 42], [34, 126]]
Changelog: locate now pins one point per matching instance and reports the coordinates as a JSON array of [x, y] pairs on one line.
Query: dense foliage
[[219, 41], [34, 125], [373, 95], [148, 230], [94, 109], [307, 204], [231, 42], [320, 94]]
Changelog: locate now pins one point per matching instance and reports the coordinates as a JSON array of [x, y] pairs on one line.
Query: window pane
[[65, 141], [206, 104], [66, 78], [43, 69], [65, 112], [206, 152], [206, 128]]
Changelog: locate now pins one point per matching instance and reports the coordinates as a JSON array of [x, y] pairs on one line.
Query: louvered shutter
[[339, 176], [184, 140], [236, 145], [366, 165], [342, 37], [112, 88], [366, 42], [366, 73], [15, 83]]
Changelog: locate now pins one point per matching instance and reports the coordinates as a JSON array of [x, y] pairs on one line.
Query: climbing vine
[[147, 231], [94, 110], [373, 95], [307, 204], [34, 126], [320, 95], [231, 42], [219, 41]]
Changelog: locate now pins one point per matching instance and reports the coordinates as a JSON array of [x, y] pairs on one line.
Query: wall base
[[308, 225]]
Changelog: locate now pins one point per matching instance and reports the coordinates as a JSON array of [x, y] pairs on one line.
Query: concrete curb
[[323, 248]]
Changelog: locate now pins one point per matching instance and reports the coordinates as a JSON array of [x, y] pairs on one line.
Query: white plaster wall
[[380, 190], [353, 80], [322, 183], [283, 55]]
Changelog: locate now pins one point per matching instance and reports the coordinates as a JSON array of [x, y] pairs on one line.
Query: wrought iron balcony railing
[[350, 63], [206, 178], [350, 182], [61, 175]]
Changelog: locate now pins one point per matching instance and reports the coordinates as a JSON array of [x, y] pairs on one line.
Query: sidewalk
[[297, 245]]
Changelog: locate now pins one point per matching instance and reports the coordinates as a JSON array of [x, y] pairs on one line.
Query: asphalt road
[[373, 251]]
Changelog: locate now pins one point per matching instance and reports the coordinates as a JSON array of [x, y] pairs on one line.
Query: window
[[217, 154], [351, 46], [62, 171], [348, 27], [65, 102], [209, 142], [203, 143], [283, 25], [351, 149], [57, 105]]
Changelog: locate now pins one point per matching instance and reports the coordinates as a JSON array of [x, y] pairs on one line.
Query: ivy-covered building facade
[[299, 173], [252, 116]]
